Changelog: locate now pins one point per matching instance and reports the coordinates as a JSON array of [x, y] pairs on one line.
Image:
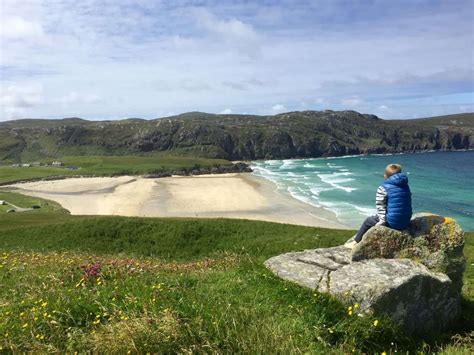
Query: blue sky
[[111, 59]]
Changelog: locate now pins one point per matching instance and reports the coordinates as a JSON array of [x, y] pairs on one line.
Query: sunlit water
[[441, 182]]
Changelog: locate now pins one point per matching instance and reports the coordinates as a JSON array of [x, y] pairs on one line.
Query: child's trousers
[[368, 223]]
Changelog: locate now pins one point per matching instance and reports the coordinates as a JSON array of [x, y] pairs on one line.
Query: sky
[[113, 59]]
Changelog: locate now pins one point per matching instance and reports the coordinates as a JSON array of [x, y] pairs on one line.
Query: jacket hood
[[398, 179]]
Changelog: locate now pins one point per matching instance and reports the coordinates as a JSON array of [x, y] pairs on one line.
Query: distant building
[[16, 165], [2, 203], [26, 165], [36, 163], [56, 163]]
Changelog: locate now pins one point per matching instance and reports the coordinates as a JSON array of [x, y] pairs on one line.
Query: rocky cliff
[[287, 135]]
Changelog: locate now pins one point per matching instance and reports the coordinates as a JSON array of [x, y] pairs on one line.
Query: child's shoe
[[350, 244]]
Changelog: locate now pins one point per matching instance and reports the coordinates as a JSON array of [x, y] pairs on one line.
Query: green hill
[[117, 284], [234, 137]]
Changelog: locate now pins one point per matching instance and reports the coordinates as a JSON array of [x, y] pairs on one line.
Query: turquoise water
[[441, 182]]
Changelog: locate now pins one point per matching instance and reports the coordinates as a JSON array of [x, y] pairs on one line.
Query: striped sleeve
[[381, 204]]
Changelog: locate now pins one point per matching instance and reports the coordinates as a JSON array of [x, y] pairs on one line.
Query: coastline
[[234, 195], [329, 157]]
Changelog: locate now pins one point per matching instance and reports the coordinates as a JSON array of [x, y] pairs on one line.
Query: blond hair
[[391, 169]]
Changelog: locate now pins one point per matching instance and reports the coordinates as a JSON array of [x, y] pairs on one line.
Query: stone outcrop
[[413, 276]]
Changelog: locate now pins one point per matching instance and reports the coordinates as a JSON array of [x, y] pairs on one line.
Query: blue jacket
[[399, 210]]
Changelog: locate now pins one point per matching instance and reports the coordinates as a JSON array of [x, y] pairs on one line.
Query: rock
[[414, 276], [435, 241]]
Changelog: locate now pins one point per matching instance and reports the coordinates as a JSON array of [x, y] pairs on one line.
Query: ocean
[[440, 182]]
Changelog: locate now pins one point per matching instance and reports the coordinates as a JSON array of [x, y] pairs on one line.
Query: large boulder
[[434, 241], [414, 276]]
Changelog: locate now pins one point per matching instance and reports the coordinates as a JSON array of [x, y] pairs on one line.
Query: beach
[[243, 196]]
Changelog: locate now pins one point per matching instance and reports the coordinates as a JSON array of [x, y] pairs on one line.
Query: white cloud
[[351, 101], [74, 98], [226, 111], [16, 99], [278, 108], [15, 28], [383, 107], [235, 33], [231, 28]]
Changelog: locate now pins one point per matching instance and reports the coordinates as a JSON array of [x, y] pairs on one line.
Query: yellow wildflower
[[376, 322]]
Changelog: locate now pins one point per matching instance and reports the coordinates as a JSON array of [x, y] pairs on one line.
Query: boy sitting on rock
[[393, 203]]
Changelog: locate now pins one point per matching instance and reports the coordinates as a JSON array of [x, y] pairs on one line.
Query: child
[[393, 202]]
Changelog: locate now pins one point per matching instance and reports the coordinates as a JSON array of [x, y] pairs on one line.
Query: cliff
[[288, 135]]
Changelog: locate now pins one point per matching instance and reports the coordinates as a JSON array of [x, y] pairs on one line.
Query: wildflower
[[97, 321], [350, 312], [356, 305], [24, 325], [384, 353], [80, 283], [376, 322]]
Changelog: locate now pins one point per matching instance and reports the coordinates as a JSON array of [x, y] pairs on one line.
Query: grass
[[23, 201], [118, 284], [108, 166]]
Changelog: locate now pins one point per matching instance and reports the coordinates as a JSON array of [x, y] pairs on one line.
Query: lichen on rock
[[434, 241]]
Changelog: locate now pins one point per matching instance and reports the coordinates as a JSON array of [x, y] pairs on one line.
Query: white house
[[2, 203], [56, 163]]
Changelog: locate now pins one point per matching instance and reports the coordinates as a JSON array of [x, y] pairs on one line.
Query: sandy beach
[[229, 195]]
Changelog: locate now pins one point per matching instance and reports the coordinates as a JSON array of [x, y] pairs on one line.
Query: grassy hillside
[[109, 166], [115, 284], [235, 137]]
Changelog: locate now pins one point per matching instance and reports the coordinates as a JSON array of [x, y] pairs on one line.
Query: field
[[116, 284], [107, 166]]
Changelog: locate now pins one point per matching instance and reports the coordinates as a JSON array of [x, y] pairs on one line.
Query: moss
[[435, 243]]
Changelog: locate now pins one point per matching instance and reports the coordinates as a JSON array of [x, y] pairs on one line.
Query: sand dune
[[229, 195]]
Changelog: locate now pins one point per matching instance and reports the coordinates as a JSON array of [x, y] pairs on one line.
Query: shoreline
[[232, 195], [249, 162]]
